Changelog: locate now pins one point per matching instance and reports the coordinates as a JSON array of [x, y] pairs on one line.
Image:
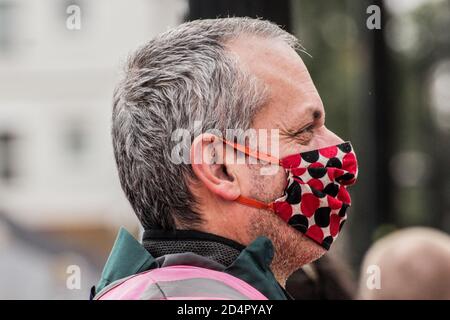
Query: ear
[[209, 165]]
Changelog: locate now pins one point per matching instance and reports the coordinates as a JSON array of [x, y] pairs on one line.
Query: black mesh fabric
[[215, 251]]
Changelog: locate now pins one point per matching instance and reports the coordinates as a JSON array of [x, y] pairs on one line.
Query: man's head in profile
[[232, 73]]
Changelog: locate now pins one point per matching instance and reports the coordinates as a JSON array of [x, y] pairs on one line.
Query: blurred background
[[387, 90]]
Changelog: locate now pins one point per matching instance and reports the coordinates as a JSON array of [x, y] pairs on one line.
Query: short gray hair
[[183, 75]]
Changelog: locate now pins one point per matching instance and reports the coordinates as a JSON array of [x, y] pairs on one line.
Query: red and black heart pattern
[[316, 196]]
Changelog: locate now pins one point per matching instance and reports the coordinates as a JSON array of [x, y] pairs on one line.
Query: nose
[[325, 138]]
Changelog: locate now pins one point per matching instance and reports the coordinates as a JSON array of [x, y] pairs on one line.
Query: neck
[[283, 268], [281, 280]]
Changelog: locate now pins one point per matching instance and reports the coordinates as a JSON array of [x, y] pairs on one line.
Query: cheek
[[268, 183]]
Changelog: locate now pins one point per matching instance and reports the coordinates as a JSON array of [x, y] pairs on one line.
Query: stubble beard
[[292, 249]]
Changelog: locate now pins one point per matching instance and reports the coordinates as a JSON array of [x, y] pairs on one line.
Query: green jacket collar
[[253, 267], [129, 257]]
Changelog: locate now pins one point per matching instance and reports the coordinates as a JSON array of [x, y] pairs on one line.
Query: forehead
[[292, 94]]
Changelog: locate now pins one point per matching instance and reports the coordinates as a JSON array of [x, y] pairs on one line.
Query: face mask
[[315, 198]]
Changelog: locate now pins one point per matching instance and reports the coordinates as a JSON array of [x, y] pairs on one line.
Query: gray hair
[[182, 76]]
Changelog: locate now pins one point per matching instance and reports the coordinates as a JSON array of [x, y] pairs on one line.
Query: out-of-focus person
[[413, 264], [327, 278]]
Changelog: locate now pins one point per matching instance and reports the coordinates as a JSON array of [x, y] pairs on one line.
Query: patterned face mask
[[315, 199]]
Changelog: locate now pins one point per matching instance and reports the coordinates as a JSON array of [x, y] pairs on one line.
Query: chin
[[292, 248], [310, 250]]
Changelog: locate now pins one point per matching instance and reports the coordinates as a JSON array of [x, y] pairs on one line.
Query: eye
[[305, 135], [308, 129]]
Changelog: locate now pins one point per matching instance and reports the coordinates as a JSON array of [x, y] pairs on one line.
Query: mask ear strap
[[254, 203], [251, 153], [257, 155]]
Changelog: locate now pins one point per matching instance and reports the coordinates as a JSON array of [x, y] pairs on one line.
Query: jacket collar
[[209, 246], [252, 265], [127, 257]]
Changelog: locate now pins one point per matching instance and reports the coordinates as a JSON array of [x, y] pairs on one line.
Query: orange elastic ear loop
[[255, 154], [254, 203]]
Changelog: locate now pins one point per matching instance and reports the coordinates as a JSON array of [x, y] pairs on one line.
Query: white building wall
[[56, 84]]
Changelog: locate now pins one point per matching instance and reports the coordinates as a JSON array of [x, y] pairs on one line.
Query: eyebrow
[[310, 116], [312, 113]]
